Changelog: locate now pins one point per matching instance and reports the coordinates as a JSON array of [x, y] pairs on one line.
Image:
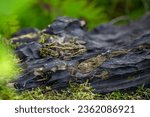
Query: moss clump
[[7, 93], [74, 92], [140, 93], [8, 61]]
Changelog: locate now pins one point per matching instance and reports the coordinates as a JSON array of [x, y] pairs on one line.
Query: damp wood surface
[[109, 57]]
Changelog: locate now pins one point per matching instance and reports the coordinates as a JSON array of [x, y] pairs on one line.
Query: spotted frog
[[65, 50]]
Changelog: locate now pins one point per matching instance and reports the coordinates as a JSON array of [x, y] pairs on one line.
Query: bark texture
[[110, 57]]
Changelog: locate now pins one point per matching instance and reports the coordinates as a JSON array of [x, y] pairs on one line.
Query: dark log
[[110, 57]]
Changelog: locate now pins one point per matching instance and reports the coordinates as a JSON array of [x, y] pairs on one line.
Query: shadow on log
[[110, 57]]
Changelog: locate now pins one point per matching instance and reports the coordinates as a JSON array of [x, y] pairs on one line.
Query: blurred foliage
[[116, 8], [40, 13], [8, 67], [17, 14], [10, 11], [43, 12]]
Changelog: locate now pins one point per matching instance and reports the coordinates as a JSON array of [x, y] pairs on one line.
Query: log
[[110, 57]]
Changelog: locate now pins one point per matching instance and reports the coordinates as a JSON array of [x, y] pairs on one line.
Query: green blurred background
[[16, 14]]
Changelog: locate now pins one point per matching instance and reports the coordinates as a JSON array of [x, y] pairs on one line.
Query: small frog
[[65, 50], [91, 64]]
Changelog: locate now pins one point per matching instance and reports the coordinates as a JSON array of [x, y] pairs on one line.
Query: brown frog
[[63, 50]]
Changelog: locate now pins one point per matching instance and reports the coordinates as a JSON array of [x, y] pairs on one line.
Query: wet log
[[110, 57]]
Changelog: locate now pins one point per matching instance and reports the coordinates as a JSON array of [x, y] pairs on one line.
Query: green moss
[[74, 92], [140, 93], [8, 61], [6, 93]]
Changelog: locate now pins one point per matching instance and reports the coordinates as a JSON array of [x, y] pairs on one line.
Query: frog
[[63, 49], [91, 64]]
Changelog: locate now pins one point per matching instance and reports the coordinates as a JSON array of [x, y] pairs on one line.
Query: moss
[[17, 44], [74, 92], [140, 93], [6, 93], [8, 61]]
